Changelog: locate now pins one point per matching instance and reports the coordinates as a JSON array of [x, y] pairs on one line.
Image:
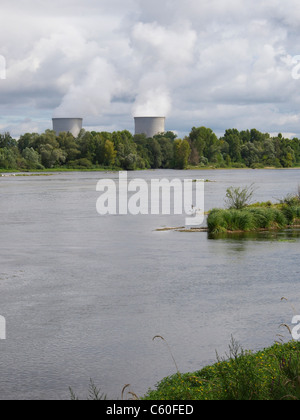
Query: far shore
[[12, 172]]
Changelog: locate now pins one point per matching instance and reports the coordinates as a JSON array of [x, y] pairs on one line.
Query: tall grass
[[94, 393], [291, 213], [247, 220], [271, 374], [252, 218]]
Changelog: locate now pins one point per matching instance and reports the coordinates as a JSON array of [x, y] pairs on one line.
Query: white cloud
[[209, 62]]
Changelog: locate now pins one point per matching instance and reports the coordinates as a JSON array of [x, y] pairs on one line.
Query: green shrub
[[291, 200], [239, 198]]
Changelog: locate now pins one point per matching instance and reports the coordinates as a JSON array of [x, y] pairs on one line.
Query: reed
[[251, 219]]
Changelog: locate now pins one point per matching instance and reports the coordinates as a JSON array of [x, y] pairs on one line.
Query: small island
[[240, 216]]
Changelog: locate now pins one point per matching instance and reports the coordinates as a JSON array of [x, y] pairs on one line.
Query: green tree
[[295, 145], [194, 158], [130, 162], [88, 146], [167, 150], [232, 137], [27, 140], [7, 159], [205, 142], [170, 135], [32, 158], [7, 142], [155, 153], [268, 154], [127, 156], [51, 156], [110, 153], [257, 136], [288, 158], [182, 152], [250, 154], [143, 151], [245, 136], [101, 139], [197, 139], [68, 144]]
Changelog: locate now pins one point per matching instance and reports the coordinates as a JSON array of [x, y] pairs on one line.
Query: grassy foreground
[[271, 374]]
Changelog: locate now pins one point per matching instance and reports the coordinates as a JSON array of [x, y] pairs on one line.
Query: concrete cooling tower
[[150, 126], [68, 125]]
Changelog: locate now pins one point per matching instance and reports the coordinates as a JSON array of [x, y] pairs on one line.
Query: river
[[83, 294]]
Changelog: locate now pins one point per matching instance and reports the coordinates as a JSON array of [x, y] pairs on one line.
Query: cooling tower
[[68, 125], [150, 126]]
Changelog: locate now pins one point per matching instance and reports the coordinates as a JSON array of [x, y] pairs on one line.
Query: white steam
[[92, 95], [154, 98], [165, 53], [155, 58]]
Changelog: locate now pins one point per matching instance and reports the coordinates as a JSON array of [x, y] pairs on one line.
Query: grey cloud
[[209, 62]]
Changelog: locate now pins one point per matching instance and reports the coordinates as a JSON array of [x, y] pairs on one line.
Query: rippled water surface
[[83, 295]]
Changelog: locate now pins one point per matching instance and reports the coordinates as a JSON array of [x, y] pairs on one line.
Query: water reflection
[[286, 235]]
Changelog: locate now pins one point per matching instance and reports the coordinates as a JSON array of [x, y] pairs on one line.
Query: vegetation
[[271, 374], [239, 198], [122, 150], [241, 216], [94, 393], [250, 148]]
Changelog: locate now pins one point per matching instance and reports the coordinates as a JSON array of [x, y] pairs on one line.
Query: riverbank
[[270, 374], [58, 170], [8, 175], [200, 168], [116, 169]]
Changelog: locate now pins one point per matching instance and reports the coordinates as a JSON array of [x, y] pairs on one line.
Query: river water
[[83, 294]]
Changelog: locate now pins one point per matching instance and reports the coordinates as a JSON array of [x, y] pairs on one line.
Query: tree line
[[122, 150]]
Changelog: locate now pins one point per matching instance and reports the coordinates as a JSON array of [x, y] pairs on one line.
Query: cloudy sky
[[221, 64]]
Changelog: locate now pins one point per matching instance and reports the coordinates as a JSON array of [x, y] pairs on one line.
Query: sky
[[213, 63]]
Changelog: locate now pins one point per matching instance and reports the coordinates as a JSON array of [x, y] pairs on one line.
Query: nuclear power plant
[[150, 126], [68, 125]]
